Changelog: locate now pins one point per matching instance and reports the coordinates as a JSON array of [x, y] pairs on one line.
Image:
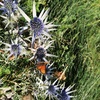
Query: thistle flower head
[[51, 89], [39, 24], [10, 12], [65, 93], [40, 52], [9, 7], [14, 48]]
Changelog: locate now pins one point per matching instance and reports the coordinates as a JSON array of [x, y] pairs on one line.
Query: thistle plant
[[10, 12], [14, 48], [40, 84], [38, 25], [40, 51], [9, 7]]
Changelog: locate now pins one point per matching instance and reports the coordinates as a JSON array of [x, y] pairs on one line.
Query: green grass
[[79, 45]]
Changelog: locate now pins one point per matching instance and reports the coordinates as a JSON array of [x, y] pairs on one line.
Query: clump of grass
[[78, 48]]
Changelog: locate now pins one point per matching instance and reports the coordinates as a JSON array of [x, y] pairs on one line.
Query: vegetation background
[[77, 45]]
